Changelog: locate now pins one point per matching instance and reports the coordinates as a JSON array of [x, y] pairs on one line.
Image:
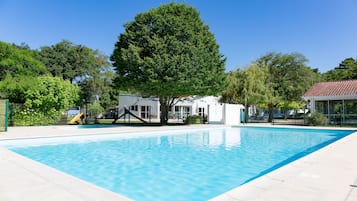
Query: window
[[134, 108], [145, 112], [201, 111], [351, 107], [182, 112], [322, 107]]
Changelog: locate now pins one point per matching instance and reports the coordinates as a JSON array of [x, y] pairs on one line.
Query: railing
[[342, 119]]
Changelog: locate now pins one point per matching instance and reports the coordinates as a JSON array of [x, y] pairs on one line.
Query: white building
[[208, 107]]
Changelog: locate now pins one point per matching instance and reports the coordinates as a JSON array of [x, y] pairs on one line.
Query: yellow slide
[[76, 119]]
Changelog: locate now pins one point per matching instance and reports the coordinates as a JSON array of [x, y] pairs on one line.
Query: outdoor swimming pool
[[177, 165]]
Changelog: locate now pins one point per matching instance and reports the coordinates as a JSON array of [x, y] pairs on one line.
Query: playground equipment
[[128, 112], [76, 119]]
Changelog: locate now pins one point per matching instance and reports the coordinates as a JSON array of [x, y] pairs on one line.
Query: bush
[[317, 119], [94, 109], [30, 117], [195, 119]]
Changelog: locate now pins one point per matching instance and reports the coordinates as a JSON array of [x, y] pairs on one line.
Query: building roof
[[337, 88]]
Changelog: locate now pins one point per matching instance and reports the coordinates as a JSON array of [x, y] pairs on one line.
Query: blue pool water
[[185, 165]]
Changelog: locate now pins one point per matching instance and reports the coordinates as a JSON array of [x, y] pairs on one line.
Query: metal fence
[[4, 114], [279, 117]]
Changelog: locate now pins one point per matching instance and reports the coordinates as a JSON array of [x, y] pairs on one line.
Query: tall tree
[[88, 68], [288, 77], [168, 52], [98, 87], [68, 60], [247, 87], [232, 94]]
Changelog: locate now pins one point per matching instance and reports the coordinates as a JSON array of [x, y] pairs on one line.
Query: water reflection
[[227, 138]]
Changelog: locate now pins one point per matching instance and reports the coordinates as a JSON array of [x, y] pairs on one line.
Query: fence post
[[6, 113]]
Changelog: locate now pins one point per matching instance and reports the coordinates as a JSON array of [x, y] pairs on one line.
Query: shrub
[[29, 117], [40, 101], [195, 119], [317, 119]]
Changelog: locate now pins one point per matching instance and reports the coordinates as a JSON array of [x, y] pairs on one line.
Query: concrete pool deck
[[329, 174]]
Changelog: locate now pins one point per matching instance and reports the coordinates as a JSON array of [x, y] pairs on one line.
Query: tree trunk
[[285, 114], [164, 110], [246, 113], [271, 111]]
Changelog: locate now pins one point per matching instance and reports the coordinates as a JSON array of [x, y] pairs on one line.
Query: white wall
[[215, 113], [126, 100], [218, 113], [231, 114], [228, 114]]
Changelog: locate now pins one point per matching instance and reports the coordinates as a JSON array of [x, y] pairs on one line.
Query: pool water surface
[[180, 165]]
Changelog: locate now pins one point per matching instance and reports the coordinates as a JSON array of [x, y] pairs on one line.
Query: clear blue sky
[[324, 31]]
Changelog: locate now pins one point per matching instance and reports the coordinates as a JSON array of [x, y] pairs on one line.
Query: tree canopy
[[40, 100], [19, 61], [347, 70], [168, 52], [37, 97], [81, 65], [289, 78], [273, 80], [68, 60]]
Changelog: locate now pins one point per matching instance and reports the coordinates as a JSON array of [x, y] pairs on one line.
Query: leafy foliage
[[95, 109], [233, 93], [289, 78], [99, 87], [39, 99], [19, 61], [15, 88], [42, 99], [168, 52], [274, 80], [346, 71], [317, 119], [51, 94], [195, 119], [88, 68], [68, 61]]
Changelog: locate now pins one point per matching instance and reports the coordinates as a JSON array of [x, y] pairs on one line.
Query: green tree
[[88, 68], [15, 88], [40, 99], [168, 52], [19, 60], [247, 87], [231, 94], [288, 78], [51, 94], [347, 70], [48, 97], [99, 85], [68, 60], [254, 90], [94, 109]]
